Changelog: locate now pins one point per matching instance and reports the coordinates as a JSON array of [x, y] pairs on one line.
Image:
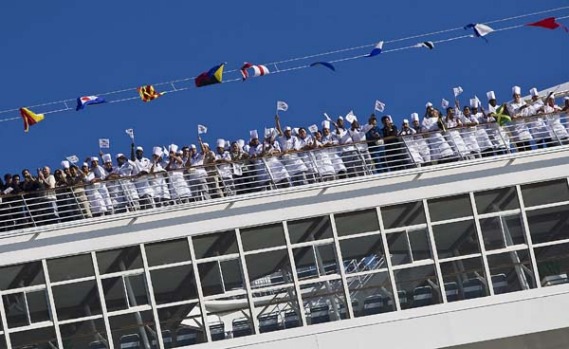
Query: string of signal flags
[[215, 75]]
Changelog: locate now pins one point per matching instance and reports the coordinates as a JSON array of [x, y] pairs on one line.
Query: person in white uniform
[[141, 169], [453, 134], [498, 134], [468, 132], [96, 201], [125, 170], [482, 135], [179, 188], [225, 168], [517, 110], [330, 141], [537, 125], [432, 122], [270, 167], [407, 134], [101, 174], [557, 132], [420, 141], [290, 145], [157, 178], [324, 165], [114, 187]]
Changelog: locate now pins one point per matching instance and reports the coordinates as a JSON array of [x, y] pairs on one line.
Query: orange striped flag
[[30, 118], [148, 93]]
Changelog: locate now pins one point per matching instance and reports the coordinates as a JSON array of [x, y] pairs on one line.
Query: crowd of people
[[283, 157]]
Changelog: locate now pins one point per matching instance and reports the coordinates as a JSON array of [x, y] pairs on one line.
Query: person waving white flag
[[379, 106], [282, 106], [202, 129]]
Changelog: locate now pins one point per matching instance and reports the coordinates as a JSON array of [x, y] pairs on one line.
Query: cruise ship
[[463, 253]]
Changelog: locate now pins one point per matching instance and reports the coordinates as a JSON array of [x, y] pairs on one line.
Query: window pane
[[37, 305], [263, 237], [511, 271], [167, 252], [409, 246], [549, 224], [268, 268], [76, 300], [42, 338], [21, 275], [403, 215], [450, 207], [124, 292], [118, 260], [456, 239], [323, 302], [356, 222], [237, 317], [82, 334], [217, 244], [183, 323], [68, 268], [545, 192], [130, 330], [220, 277], [174, 284], [496, 200], [16, 313], [464, 279], [310, 229], [363, 253], [315, 261], [417, 287], [371, 294], [553, 264], [500, 232], [274, 308]]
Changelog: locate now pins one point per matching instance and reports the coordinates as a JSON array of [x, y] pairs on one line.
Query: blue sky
[[59, 50]]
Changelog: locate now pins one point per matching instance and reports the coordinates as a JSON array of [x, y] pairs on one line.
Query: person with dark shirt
[[394, 153]]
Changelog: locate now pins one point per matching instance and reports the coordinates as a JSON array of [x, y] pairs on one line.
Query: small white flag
[[457, 91], [282, 106], [104, 143], [351, 117], [73, 159], [477, 100], [327, 117], [130, 133], [444, 103], [202, 129], [313, 128], [379, 106]]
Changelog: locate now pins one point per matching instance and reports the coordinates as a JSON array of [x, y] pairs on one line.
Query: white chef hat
[[415, 116], [405, 121], [179, 152], [533, 92], [107, 158], [288, 128], [65, 164], [326, 124], [94, 158], [490, 95], [193, 146], [241, 143], [473, 103], [340, 117], [516, 90], [268, 132], [120, 155], [221, 143], [253, 134], [429, 104], [173, 147], [139, 148], [206, 144], [85, 165], [157, 151]]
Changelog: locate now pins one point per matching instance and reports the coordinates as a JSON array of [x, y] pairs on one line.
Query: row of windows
[[291, 264]]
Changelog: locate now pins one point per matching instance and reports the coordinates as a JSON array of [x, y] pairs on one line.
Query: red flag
[[547, 23]]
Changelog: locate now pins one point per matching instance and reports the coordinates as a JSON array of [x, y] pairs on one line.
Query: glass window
[[356, 222], [217, 244], [403, 215], [500, 232], [183, 323], [123, 292], [21, 275], [26, 308], [113, 261], [553, 264], [220, 276], [371, 294], [311, 229], [68, 268], [83, 334], [409, 246], [323, 302], [273, 306], [417, 287], [41, 338], [464, 279], [268, 268], [497, 200], [239, 324], [511, 271], [363, 253], [545, 192], [174, 284], [132, 330], [549, 224], [456, 239], [167, 252], [76, 300], [450, 207], [263, 237], [315, 261]]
